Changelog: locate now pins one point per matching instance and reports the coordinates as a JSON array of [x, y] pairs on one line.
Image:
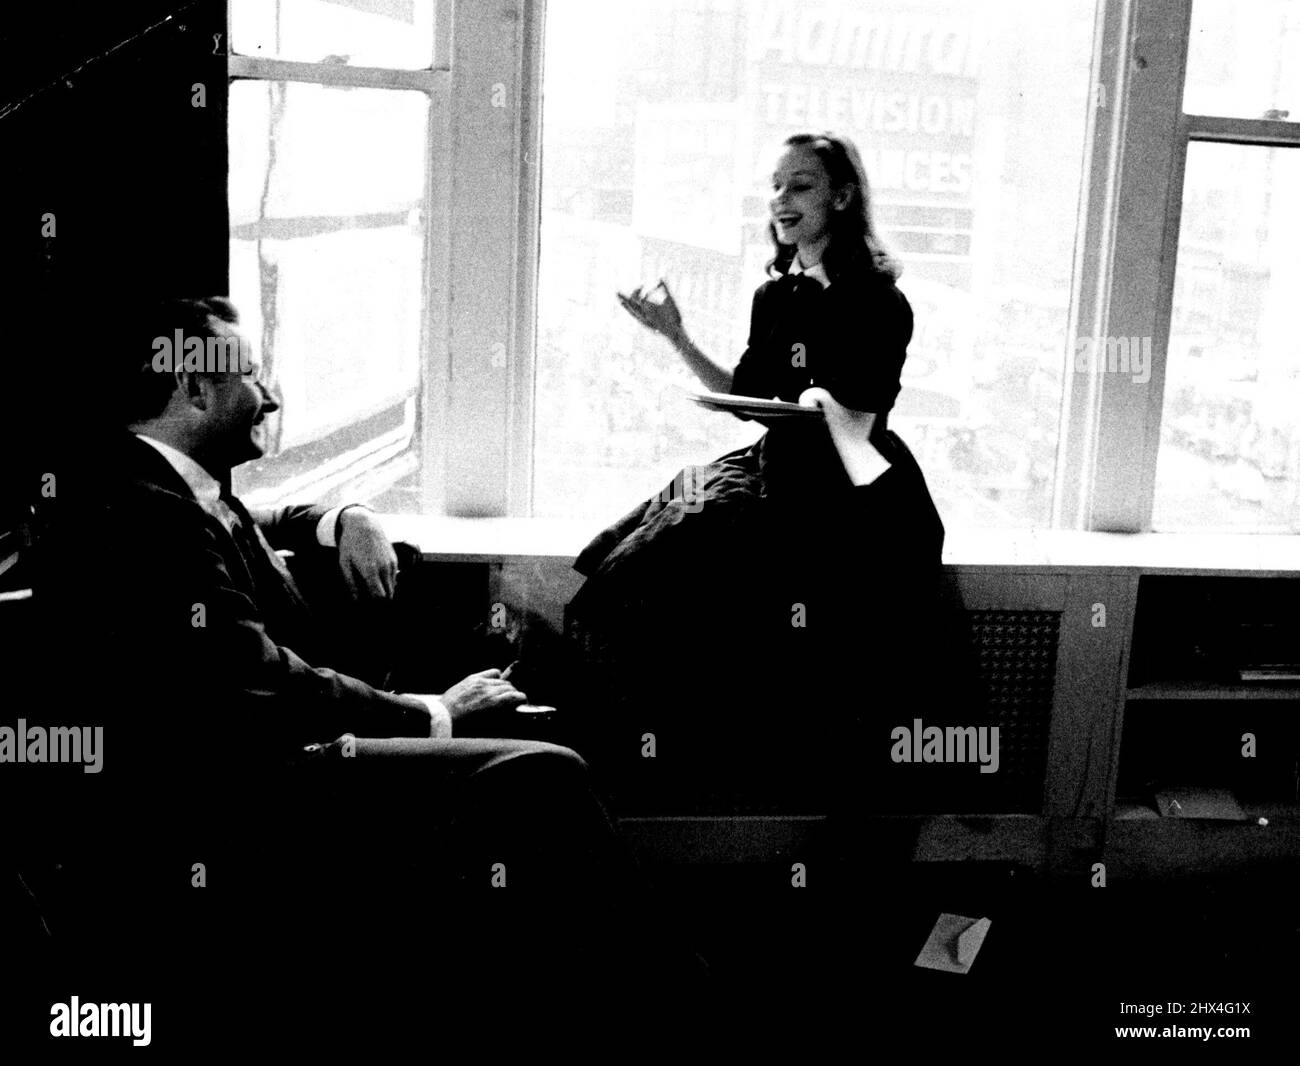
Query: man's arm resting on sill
[[299, 527]]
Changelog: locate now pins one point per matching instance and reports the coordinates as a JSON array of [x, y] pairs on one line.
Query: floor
[[1057, 962]]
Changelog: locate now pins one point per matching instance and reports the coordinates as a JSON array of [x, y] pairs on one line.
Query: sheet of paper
[[953, 943], [850, 432]]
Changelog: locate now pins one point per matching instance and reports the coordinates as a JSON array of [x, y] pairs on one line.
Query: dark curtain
[[98, 128]]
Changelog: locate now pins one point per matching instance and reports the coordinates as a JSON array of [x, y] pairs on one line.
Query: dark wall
[[98, 127]]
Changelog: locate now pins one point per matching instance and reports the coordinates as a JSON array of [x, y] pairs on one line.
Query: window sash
[[1266, 132], [435, 82], [483, 216], [261, 69]]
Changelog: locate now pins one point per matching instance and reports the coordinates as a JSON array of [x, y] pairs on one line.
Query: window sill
[[481, 540], [501, 540]]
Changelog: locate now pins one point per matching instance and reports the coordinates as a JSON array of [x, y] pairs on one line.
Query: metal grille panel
[[1016, 652]]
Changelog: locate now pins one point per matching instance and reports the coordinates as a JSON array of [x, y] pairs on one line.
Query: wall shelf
[[1206, 690]]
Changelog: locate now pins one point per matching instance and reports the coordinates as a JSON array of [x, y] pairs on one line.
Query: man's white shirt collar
[[206, 488]]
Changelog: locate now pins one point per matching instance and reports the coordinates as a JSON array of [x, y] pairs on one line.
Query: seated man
[[233, 758]]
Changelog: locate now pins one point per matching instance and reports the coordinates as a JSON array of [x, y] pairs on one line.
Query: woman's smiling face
[[802, 198]]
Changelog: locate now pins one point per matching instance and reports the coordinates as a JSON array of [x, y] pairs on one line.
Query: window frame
[[435, 82], [1126, 257], [484, 211]]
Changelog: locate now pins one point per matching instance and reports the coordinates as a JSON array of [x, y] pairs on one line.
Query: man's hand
[[485, 691], [366, 556]]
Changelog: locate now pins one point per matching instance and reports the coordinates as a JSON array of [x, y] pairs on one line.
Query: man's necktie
[[269, 571]]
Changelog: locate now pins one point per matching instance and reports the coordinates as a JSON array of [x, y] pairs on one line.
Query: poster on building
[[688, 174]]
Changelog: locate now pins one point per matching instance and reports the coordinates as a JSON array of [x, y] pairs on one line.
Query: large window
[[657, 125], [433, 204]]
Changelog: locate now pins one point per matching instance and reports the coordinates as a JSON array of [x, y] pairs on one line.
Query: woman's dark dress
[[759, 606]]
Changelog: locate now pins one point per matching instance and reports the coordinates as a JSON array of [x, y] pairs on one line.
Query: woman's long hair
[[853, 234]]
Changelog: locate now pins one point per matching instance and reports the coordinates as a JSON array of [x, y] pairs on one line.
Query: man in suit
[[201, 425], [232, 756]]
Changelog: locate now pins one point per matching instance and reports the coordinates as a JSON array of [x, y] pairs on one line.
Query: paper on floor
[[953, 943]]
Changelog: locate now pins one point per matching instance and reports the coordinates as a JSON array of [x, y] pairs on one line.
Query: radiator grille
[[1016, 652]]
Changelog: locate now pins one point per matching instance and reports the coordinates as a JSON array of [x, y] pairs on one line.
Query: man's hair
[[144, 391]]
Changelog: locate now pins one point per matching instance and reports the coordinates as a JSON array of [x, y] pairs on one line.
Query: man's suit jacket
[[192, 643]]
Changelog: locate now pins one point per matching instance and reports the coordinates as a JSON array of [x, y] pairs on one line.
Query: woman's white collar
[[817, 272]]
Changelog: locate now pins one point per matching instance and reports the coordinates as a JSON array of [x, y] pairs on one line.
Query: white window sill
[[488, 540]]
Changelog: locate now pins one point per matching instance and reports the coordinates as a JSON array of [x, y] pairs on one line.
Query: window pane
[[658, 120], [1229, 442], [361, 33], [326, 267], [1243, 60]]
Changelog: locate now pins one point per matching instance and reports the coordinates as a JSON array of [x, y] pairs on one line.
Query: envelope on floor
[[953, 943]]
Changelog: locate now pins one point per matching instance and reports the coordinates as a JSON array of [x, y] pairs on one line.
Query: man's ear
[[195, 387]]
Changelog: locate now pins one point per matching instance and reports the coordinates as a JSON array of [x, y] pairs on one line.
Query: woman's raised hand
[[661, 315]]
